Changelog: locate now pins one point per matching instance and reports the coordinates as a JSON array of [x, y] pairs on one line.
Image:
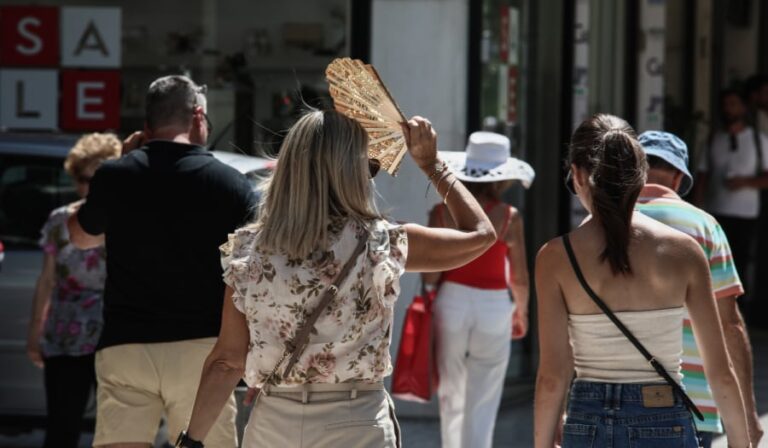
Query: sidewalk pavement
[[514, 426]]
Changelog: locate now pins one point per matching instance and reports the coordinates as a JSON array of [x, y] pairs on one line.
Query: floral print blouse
[[74, 320], [353, 335]]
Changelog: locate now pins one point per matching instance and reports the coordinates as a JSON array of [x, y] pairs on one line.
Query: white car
[[33, 183]]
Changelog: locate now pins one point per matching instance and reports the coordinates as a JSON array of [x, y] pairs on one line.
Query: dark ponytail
[[607, 148]]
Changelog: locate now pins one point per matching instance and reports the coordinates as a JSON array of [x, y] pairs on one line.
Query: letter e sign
[[29, 36], [90, 100], [90, 37]]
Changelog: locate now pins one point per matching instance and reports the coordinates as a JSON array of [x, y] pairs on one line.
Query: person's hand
[[135, 140], [34, 353], [421, 140], [737, 183], [250, 395], [519, 324]]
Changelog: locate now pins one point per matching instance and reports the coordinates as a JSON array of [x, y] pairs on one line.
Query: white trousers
[[472, 328]]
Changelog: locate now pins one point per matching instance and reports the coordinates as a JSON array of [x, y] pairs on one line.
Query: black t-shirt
[[164, 210]]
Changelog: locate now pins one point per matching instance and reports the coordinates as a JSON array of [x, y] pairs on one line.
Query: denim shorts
[[609, 415]]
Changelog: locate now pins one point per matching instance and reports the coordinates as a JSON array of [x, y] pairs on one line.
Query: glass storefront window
[[503, 69], [263, 62]]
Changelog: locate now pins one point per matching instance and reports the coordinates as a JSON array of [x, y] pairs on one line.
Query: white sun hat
[[487, 160]]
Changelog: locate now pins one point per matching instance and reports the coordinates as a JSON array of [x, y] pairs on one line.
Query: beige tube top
[[602, 353]]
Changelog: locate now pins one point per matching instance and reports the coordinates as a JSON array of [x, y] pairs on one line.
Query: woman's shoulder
[[670, 249], [243, 238], [551, 253], [387, 235], [60, 213], [382, 227], [58, 217], [663, 238]]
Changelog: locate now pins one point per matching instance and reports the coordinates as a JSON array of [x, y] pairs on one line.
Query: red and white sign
[[35, 36], [29, 36], [29, 99], [90, 100]]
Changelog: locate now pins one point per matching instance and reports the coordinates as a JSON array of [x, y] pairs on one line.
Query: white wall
[[419, 48]]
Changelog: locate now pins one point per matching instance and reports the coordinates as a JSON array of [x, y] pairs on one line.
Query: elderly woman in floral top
[[66, 315], [316, 215]]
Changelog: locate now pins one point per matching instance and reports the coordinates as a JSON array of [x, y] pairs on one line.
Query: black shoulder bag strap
[[296, 346], [638, 345]]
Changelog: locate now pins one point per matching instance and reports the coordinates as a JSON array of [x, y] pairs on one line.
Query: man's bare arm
[[740, 351]]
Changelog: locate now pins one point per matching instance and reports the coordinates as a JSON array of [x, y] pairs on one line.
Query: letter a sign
[[90, 37]]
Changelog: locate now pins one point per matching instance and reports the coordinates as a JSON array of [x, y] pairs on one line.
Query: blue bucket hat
[[672, 150]]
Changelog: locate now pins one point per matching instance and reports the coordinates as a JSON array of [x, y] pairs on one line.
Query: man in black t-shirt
[[163, 210]]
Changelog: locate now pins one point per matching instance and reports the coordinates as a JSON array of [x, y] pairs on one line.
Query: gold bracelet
[[442, 170], [439, 169], [450, 187], [440, 181]]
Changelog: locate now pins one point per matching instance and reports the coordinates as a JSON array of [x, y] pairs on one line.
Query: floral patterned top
[[74, 320], [352, 337]]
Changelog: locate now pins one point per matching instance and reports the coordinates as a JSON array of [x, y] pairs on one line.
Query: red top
[[489, 270]]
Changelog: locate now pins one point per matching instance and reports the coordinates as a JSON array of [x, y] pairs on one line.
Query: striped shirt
[[664, 205]]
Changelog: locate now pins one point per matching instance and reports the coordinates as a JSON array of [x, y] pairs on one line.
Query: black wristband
[[184, 441]]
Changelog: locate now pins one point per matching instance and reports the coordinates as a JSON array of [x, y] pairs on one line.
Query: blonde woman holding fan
[[312, 285]]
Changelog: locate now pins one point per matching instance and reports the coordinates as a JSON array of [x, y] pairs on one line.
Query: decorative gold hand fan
[[359, 93]]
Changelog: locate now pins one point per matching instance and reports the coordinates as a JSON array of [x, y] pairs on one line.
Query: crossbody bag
[[638, 345], [295, 347]]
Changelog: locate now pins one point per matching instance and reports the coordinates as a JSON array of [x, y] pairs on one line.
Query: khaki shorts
[[139, 383], [323, 419]]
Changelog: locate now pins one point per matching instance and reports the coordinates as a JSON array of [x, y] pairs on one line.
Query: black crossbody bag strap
[[638, 345]]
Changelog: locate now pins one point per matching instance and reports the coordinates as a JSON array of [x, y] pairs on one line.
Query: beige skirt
[[345, 417]]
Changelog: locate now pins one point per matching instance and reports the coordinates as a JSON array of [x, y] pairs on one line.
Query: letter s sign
[[29, 36], [35, 44]]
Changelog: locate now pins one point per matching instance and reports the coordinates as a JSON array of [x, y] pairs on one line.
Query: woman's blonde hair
[[322, 173], [90, 148]]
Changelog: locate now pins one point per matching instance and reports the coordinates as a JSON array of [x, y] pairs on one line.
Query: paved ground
[[514, 427]]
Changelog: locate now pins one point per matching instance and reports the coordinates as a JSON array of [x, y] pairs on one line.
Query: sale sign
[[90, 100], [29, 36], [71, 99]]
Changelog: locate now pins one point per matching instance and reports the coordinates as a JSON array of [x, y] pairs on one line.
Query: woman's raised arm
[[431, 249]]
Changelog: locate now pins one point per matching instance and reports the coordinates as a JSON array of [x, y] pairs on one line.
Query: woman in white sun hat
[[478, 303]]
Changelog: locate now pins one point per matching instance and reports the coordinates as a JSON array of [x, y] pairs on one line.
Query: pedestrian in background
[[479, 305], [163, 209], [668, 175], [731, 174], [318, 234], [66, 310], [623, 275]]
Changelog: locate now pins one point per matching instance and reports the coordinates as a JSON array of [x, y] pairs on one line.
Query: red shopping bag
[[415, 376]]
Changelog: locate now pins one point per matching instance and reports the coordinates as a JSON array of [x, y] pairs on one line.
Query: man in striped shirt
[[668, 173]]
